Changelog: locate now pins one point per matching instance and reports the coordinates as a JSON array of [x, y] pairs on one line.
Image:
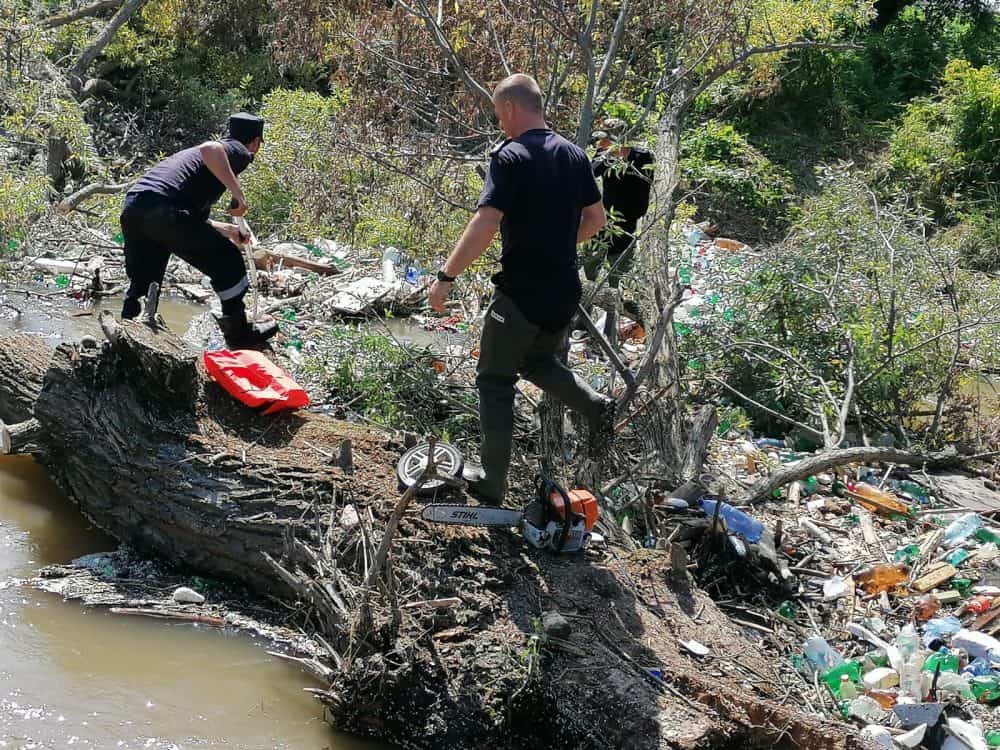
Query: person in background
[[167, 211], [541, 194], [626, 172]]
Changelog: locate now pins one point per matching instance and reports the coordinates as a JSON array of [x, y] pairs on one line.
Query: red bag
[[255, 380]]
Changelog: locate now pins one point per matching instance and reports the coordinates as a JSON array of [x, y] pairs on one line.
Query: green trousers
[[513, 347]]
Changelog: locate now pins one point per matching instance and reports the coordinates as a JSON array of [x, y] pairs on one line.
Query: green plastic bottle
[[907, 554], [986, 689], [681, 329], [958, 557], [914, 489], [947, 660], [962, 585], [993, 738], [62, 281], [832, 678], [684, 274], [810, 486], [984, 534], [787, 610]]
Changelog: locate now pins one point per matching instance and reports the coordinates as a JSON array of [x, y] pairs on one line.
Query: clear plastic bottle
[[911, 680], [847, 690], [821, 655], [961, 529], [908, 642]]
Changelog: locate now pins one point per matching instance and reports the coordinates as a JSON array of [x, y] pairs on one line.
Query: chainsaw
[[555, 519]]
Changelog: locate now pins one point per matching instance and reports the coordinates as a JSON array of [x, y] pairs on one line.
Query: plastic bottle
[[926, 607], [847, 690], [918, 492], [907, 554], [810, 486], [961, 529], [951, 685], [941, 627], [821, 655], [993, 738], [958, 557], [879, 578], [737, 522], [984, 534], [911, 679], [976, 643], [876, 500], [944, 658], [849, 670], [962, 585], [908, 642], [770, 443]]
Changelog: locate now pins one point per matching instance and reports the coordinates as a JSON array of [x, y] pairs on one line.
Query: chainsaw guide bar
[[472, 515]]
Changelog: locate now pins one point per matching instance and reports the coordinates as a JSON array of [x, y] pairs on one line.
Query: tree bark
[[96, 47], [86, 11]]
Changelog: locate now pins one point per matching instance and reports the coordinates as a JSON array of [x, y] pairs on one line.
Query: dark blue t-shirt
[[541, 182], [184, 180]]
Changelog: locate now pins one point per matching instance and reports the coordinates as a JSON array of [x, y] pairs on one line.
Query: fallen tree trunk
[[168, 463]]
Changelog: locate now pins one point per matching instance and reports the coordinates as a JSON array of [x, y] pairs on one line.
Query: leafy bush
[[22, 198], [855, 298], [948, 141], [735, 183], [392, 386]]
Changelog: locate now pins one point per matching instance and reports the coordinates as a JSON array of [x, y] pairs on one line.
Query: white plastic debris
[[878, 735], [834, 588], [698, 649], [349, 517], [965, 734], [913, 738], [881, 678], [184, 595]]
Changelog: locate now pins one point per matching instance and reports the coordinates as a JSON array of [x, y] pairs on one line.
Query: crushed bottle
[[961, 529], [879, 578]]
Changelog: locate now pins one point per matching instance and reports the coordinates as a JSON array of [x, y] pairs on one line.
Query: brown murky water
[[77, 677]]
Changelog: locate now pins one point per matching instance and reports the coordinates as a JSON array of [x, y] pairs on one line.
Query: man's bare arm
[[214, 155], [593, 220], [478, 235]]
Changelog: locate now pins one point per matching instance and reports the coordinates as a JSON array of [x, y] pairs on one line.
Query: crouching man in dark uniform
[[541, 194], [167, 211]]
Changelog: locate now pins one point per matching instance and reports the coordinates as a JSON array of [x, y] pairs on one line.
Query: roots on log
[[164, 460]]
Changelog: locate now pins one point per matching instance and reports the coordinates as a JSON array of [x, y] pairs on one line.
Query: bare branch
[[94, 9]]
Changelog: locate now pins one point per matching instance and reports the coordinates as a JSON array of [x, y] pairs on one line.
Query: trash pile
[[884, 600]]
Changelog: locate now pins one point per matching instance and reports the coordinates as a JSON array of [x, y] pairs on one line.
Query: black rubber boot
[[479, 487], [241, 334]]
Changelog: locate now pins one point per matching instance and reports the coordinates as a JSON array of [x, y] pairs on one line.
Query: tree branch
[[120, 18], [94, 9], [67, 204]]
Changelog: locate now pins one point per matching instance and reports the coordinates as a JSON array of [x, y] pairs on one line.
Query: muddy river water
[[76, 677]]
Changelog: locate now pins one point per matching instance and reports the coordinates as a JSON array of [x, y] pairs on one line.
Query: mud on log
[[165, 461]]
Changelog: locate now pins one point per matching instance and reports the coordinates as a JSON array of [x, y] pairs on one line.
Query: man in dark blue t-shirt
[[167, 211], [541, 194]]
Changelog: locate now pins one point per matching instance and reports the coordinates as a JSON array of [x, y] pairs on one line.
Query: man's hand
[[438, 294], [230, 232], [238, 205]]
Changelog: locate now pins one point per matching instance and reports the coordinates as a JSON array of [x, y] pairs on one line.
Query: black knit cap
[[244, 127]]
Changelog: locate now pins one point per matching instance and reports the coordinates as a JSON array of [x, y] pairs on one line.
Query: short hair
[[521, 89]]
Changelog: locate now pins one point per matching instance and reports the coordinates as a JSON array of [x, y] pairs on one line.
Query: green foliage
[[946, 144], [297, 183], [734, 182], [855, 295], [22, 198], [392, 386]]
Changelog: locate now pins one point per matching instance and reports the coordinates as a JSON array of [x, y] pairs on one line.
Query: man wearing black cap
[[627, 173], [167, 211]]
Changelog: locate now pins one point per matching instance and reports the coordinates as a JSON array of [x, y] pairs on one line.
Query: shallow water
[[77, 677], [80, 677]]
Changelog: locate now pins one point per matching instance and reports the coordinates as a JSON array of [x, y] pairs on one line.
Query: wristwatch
[[442, 276]]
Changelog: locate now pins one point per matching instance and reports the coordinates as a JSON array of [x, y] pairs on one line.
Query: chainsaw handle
[[546, 486]]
